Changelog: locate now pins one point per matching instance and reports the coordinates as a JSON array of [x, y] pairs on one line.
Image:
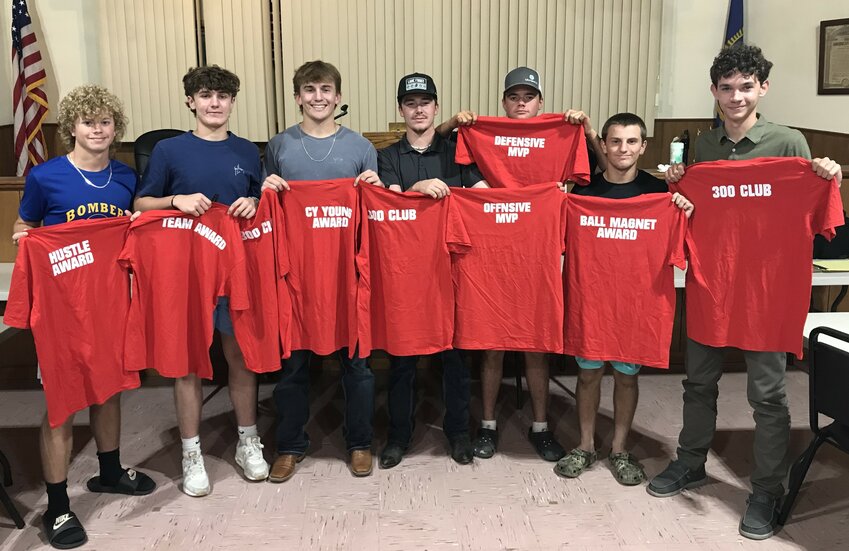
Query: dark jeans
[[402, 396], [291, 396]]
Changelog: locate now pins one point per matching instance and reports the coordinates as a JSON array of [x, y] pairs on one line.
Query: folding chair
[[829, 383], [4, 497]]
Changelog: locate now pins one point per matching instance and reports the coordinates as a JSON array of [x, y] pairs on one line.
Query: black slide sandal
[[65, 531], [131, 483]]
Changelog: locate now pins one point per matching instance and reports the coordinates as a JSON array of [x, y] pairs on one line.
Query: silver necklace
[[304, 135], [86, 180], [420, 149]]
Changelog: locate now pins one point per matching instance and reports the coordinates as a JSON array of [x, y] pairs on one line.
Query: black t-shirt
[[643, 183], [400, 164]]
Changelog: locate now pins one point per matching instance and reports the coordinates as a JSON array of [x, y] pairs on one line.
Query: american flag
[[733, 37], [29, 97]]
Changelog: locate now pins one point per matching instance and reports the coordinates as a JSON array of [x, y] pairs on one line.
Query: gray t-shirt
[[293, 155]]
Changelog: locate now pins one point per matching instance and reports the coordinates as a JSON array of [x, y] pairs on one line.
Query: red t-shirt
[[620, 291], [68, 287], [181, 265], [508, 246], [320, 220], [750, 243], [262, 329], [405, 298], [515, 153]]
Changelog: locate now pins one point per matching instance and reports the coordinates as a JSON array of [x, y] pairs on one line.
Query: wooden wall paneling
[[9, 202], [382, 139], [828, 144], [834, 145], [664, 130], [7, 150]]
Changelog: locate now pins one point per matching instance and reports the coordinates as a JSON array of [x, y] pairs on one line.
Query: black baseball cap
[[416, 83], [523, 76]]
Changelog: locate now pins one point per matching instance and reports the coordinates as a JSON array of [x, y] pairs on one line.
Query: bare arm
[[20, 228], [576, 116], [463, 118], [194, 204], [152, 203]]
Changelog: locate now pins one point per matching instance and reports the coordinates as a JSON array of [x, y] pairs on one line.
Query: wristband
[[172, 201]]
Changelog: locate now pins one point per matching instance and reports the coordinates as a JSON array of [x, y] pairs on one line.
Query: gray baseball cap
[[523, 76]]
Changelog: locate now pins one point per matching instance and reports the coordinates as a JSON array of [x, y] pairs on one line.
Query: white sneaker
[[195, 480], [249, 458]]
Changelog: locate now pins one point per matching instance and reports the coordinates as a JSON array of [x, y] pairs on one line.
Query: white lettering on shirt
[[507, 213], [71, 257], [620, 227], [209, 234], [178, 223], [743, 190], [332, 216], [255, 233], [519, 146]]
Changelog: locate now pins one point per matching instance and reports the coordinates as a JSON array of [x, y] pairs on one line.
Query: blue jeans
[[291, 396], [402, 396]]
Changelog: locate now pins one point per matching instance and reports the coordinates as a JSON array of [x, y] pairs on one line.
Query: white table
[[834, 320], [820, 279], [5, 279]]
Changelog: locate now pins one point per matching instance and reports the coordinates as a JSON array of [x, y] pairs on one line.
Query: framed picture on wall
[[833, 77]]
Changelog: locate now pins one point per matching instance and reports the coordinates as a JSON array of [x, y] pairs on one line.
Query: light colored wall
[[787, 30], [788, 33], [68, 37]]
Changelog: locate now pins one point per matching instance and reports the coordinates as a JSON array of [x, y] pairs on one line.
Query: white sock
[[246, 432], [191, 444], [539, 427], [491, 425]]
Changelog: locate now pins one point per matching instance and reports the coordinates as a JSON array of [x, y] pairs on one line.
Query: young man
[[623, 141], [423, 161], [319, 149], [739, 78], [522, 99], [185, 173], [74, 186]]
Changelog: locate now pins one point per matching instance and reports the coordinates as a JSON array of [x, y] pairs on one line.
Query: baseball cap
[[523, 76], [416, 83]]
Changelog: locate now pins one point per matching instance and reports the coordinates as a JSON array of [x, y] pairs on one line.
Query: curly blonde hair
[[86, 101]]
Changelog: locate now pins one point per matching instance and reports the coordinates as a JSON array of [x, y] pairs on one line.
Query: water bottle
[[676, 152]]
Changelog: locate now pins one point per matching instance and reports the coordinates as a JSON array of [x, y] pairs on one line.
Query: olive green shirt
[[764, 139]]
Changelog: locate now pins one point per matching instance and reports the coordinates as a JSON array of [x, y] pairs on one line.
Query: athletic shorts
[[621, 367], [221, 317]]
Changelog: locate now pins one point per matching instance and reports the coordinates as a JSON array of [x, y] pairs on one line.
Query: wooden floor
[[513, 501]]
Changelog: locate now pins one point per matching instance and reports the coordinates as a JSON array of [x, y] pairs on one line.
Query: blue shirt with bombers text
[[55, 192]]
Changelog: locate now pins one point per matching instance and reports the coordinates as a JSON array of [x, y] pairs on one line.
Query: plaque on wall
[[833, 75]]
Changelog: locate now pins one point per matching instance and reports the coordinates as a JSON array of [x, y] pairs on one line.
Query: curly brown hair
[[745, 59], [212, 78], [90, 100]]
